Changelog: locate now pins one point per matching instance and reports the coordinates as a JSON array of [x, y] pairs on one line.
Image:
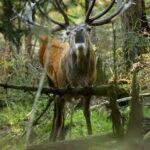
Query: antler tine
[[62, 12], [124, 6], [56, 29], [34, 24], [63, 25], [89, 10], [86, 3], [103, 12], [26, 16]]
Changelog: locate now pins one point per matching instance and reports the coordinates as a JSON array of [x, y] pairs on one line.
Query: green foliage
[[14, 118], [147, 111], [101, 124]]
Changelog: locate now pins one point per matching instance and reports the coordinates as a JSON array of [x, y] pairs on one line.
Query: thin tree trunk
[[133, 23], [134, 129]]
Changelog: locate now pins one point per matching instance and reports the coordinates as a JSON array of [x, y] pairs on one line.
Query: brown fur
[[56, 55]]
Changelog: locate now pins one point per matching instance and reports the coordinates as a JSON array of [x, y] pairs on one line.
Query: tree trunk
[[133, 23], [134, 129], [6, 27]]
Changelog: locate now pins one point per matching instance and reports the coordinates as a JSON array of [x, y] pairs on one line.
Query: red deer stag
[[73, 62]]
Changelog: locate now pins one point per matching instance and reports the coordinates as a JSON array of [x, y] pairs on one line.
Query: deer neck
[[79, 60]]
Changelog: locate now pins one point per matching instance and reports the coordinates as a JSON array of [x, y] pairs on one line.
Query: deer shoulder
[[54, 50]]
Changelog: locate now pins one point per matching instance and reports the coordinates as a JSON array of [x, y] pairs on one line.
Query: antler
[[89, 10], [26, 16], [103, 12], [50, 18], [61, 24], [62, 12], [95, 21]]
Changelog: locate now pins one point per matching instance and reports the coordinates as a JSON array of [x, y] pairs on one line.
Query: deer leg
[[50, 82], [86, 105], [62, 131], [58, 120]]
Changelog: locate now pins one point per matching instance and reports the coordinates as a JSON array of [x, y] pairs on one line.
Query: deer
[[72, 62]]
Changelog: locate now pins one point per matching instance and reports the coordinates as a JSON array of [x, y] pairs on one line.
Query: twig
[[35, 122]]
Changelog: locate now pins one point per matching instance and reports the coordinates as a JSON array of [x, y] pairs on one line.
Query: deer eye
[[67, 32]]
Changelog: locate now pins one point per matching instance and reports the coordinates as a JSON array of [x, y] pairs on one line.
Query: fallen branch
[[144, 95], [120, 100], [23, 88], [99, 90]]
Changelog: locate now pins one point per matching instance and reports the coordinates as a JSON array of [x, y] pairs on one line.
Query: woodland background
[[119, 46]]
